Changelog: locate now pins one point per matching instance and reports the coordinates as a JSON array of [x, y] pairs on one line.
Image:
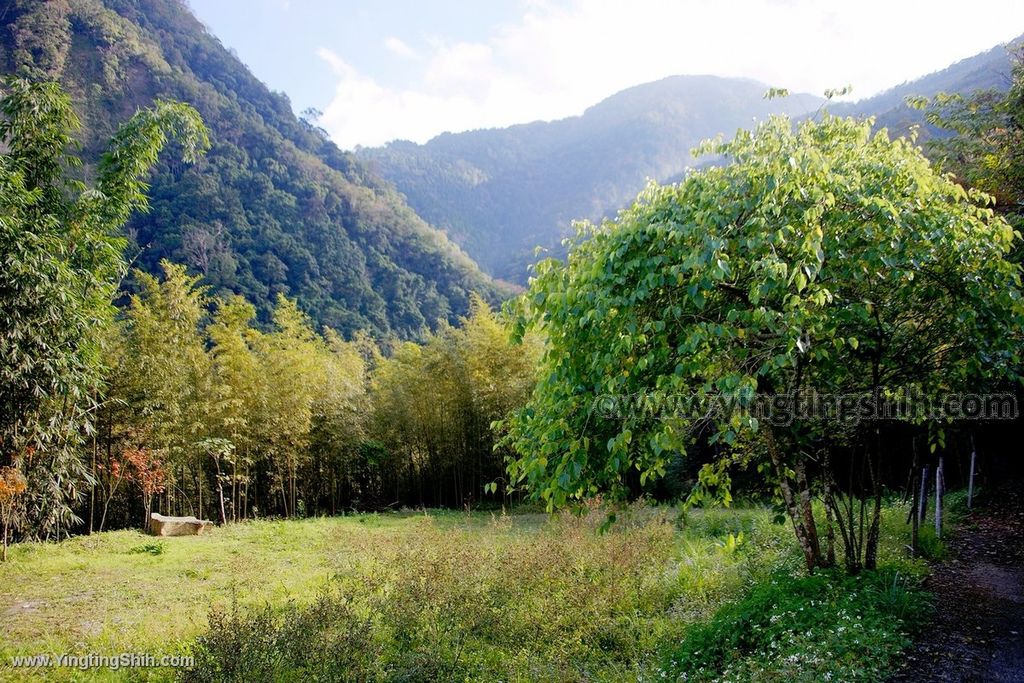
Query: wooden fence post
[[922, 501], [970, 478]]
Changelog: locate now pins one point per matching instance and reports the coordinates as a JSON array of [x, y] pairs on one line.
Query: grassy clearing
[[534, 591], [428, 596]]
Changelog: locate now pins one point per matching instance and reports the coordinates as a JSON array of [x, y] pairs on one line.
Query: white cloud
[[399, 47], [364, 112], [337, 64], [555, 61], [463, 67]]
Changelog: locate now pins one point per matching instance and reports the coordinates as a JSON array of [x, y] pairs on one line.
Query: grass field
[[426, 596]]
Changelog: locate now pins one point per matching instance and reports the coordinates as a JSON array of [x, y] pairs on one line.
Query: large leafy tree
[[817, 257], [61, 262]]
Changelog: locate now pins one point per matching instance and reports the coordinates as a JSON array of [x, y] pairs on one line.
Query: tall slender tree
[[62, 262]]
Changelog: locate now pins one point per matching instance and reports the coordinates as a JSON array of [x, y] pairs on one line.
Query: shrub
[[827, 626], [153, 548]]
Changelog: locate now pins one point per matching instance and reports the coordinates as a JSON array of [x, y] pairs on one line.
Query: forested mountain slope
[[274, 207], [501, 192]]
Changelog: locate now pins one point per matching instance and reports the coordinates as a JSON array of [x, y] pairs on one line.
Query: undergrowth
[[828, 626], [564, 603], [706, 595]]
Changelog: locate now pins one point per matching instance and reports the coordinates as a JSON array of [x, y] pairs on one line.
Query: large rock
[[176, 526]]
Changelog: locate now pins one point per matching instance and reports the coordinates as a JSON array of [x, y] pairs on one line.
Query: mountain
[[274, 207], [501, 192], [983, 71]]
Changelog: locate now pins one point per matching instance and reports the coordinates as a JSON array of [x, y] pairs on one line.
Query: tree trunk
[[809, 546], [845, 520], [103, 517], [234, 492], [807, 512], [849, 519], [106, 502], [294, 487], [915, 528], [830, 531], [922, 503], [939, 485], [92, 487], [871, 552], [874, 460], [243, 499], [220, 493]]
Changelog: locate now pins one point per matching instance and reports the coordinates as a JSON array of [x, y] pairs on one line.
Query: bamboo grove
[[205, 414], [177, 401]]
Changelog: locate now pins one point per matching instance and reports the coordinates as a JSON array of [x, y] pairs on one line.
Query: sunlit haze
[[381, 70]]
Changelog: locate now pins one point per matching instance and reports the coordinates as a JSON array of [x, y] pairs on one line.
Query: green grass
[[418, 596], [558, 595]]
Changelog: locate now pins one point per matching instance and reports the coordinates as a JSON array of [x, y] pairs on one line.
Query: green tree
[[167, 345], [821, 257], [434, 406], [338, 423], [62, 261], [986, 150], [236, 390], [292, 362], [167, 376], [499, 377]]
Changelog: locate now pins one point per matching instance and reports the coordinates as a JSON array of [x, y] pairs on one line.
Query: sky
[[381, 70]]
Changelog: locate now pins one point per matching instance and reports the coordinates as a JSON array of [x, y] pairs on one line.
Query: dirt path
[[978, 630]]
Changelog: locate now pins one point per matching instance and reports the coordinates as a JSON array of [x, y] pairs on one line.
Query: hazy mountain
[[274, 207], [501, 192], [989, 69]]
